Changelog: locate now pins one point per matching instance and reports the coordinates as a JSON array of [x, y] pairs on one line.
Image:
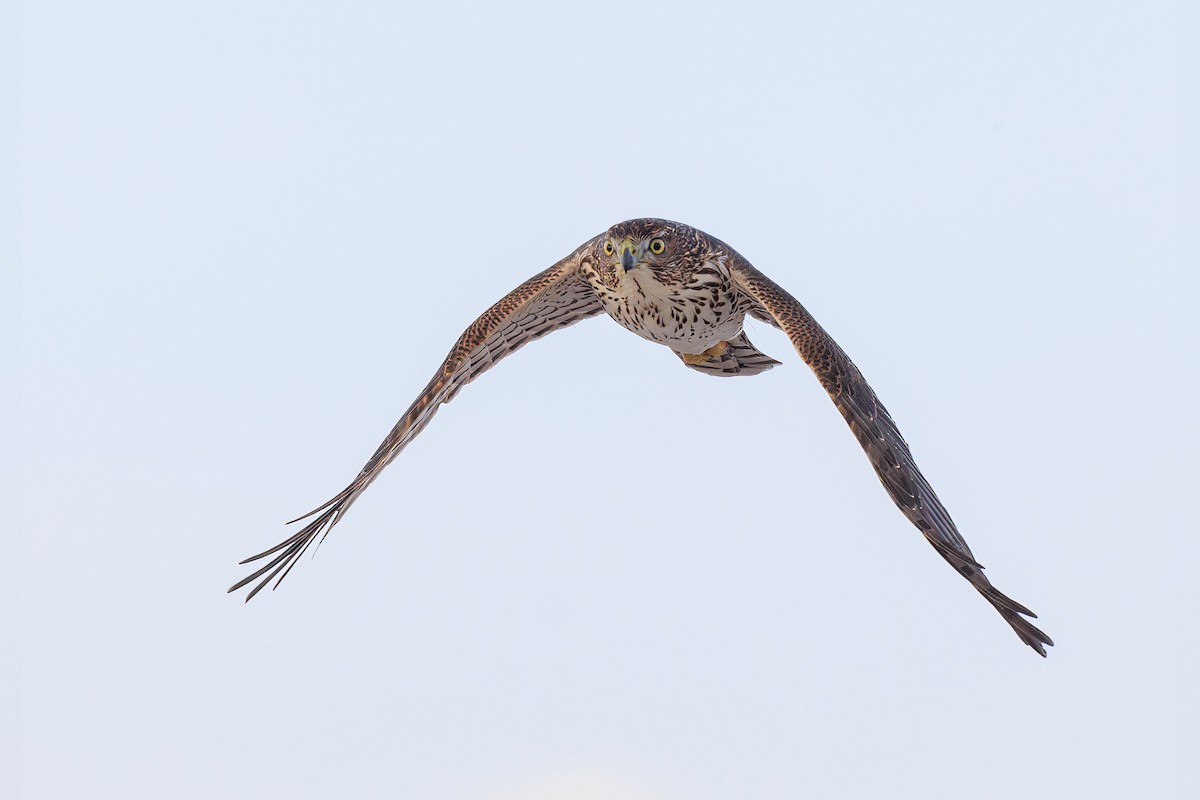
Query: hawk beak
[[627, 259]]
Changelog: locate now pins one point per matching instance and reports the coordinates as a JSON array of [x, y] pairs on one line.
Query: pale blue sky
[[248, 233]]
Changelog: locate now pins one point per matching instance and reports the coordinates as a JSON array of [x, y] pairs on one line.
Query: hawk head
[[662, 246]]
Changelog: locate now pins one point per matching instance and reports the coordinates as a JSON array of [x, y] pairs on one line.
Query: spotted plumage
[[676, 286]]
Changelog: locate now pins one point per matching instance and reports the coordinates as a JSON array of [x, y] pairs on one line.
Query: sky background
[[247, 234]]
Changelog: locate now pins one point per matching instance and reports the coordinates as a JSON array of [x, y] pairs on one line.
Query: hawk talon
[[716, 351]]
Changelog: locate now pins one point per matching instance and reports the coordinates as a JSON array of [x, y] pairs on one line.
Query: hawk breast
[[688, 313]]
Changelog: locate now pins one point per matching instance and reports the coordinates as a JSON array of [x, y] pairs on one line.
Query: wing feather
[[878, 435], [549, 301]]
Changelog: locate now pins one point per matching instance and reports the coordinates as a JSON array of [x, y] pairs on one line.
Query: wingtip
[[1034, 637]]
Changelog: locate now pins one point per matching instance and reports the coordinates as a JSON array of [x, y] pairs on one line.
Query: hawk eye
[[657, 246], [608, 248]]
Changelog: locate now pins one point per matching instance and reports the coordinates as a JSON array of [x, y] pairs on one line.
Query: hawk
[[676, 286]]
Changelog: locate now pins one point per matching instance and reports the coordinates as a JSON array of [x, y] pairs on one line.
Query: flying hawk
[[679, 287]]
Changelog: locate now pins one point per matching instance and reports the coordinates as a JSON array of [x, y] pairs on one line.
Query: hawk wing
[[548, 301], [879, 437]]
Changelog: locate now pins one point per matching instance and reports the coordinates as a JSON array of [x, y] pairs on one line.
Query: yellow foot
[[716, 351]]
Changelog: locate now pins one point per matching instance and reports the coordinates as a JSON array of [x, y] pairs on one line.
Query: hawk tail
[[739, 358]]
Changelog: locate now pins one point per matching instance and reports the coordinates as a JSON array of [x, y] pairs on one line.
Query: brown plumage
[[676, 286]]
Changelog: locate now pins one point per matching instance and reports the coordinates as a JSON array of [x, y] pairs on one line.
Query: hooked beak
[[627, 259]]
